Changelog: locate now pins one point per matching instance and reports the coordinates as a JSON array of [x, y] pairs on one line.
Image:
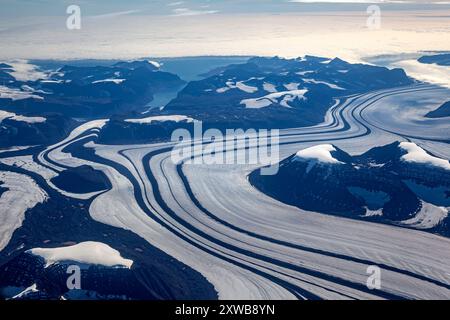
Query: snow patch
[[302, 73], [16, 94], [269, 87], [237, 85], [116, 81], [148, 120], [257, 103], [428, 217], [292, 86], [12, 116], [89, 252], [373, 213], [25, 292], [154, 63], [23, 193], [265, 101], [27, 163], [416, 154], [25, 71], [319, 153], [52, 81], [331, 85]]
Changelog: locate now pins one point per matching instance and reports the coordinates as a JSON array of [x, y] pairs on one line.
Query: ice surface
[[149, 120], [416, 154], [23, 193], [320, 153], [267, 100], [85, 252]]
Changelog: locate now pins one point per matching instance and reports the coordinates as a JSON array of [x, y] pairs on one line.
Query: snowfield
[[23, 70], [12, 116], [416, 154], [16, 94], [86, 252], [269, 87], [116, 81], [27, 163], [149, 120], [237, 85], [320, 153], [428, 217], [23, 194], [268, 100], [154, 63], [331, 85]]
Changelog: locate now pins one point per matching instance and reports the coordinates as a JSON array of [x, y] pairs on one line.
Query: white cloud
[[115, 14], [174, 4], [188, 12], [287, 35]]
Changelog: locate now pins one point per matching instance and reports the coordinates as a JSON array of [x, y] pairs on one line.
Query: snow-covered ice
[[267, 100], [428, 217], [89, 252], [116, 81], [23, 193], [331, 85], [154, 63], [416, 154], [237, 85], [148, 120], [269, 87], [319, 153], [16, 94], [12, 116], [30, 289], [27, 163], [25, 71], [291, 86]]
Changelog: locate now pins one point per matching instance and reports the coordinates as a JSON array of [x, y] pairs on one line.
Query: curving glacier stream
[[250, 246]]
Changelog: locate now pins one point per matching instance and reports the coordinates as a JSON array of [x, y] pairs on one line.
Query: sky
[[117, 29], [26, 8]]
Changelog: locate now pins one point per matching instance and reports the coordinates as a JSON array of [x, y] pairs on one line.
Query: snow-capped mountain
[[38, 107], [276, 92], [442, 111], [261, 93], [120, 130], [86, 91], [398, 183], [19, 130], [40, 273]]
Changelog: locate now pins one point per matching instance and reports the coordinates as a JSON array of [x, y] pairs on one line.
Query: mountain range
[[397, 184]]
